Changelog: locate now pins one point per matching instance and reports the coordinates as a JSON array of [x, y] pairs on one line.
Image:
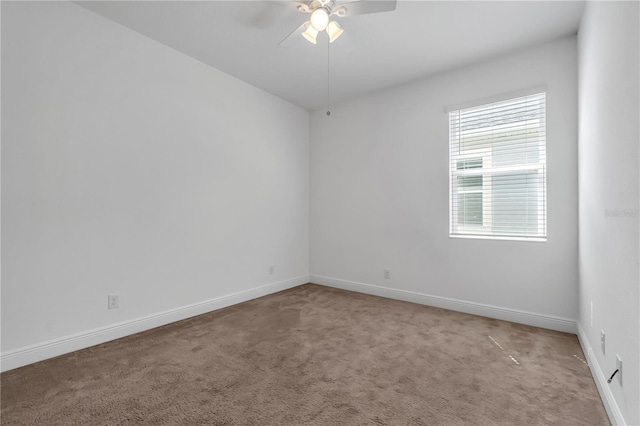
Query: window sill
[[498, 237]]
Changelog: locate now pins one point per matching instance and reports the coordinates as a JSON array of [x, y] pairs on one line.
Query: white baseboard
[[41, 351], [610, 404], [513, 315]]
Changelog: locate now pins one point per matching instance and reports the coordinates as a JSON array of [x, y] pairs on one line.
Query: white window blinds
[[498, 169]]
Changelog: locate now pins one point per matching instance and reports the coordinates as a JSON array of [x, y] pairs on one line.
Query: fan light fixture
[[321, 11], [334, 30], [319, 19], [318, 22], [310, 33]]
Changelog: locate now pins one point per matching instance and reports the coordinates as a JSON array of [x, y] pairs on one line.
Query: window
[[498, 169]]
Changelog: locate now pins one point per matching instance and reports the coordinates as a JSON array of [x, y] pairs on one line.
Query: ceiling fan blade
[[363, 7], [300, 5], [296, 31], [268, 12], [263, 16]]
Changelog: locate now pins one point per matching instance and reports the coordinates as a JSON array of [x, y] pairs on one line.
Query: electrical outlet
[[272, 270], [114, 301], [602, 341], [387, 274], [619, 368]]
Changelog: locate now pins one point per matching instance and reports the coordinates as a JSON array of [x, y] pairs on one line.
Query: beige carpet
[[315, 356]]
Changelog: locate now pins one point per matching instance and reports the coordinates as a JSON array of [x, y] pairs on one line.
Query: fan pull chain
[[328, 80]]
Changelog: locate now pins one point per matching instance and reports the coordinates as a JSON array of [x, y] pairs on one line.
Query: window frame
[[484, 231]]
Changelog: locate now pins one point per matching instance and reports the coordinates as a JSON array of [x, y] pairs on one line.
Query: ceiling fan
[[321, 12]]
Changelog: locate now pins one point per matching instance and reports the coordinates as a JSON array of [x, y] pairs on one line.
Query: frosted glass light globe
[[319, 19]]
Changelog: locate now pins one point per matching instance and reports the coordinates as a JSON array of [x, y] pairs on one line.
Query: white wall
[[379, 196], [129, 167], [609, 199]]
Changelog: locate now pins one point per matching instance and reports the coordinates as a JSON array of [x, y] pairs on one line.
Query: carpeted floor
[[314, 355]]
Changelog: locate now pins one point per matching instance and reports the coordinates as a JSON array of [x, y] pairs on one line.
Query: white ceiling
[[418, 39]]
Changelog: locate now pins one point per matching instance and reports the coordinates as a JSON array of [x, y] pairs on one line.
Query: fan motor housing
[[328, 5]]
